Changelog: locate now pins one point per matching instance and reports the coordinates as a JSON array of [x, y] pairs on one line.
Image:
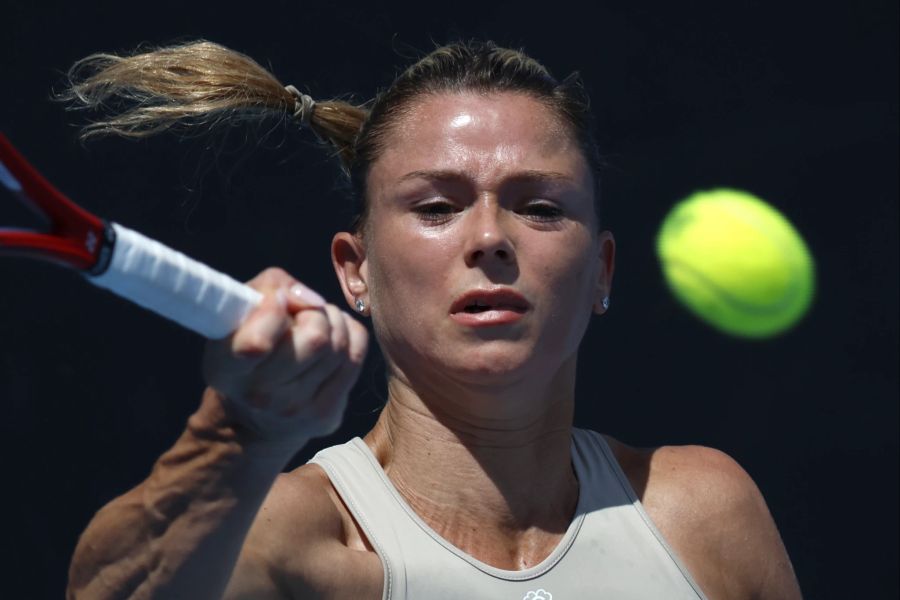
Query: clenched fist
[[286, 373]]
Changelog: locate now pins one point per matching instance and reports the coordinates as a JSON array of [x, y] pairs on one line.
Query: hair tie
[[303, 105]]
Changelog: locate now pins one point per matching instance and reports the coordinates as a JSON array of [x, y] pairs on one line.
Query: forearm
[[178, 534]]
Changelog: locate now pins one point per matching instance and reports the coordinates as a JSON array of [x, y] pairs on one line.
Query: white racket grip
[[175, 286]]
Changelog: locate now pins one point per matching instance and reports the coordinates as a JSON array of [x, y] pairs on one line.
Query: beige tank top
[[611, 549]]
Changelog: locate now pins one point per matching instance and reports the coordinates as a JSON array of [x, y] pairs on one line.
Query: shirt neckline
[[530, 573]]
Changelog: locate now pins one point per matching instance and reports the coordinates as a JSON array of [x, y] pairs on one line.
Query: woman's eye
[[542, 211], [435, 211]]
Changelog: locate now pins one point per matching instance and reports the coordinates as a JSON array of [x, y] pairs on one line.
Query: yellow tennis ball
[[736, 262]]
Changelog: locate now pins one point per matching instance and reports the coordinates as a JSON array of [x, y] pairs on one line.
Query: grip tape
[[175, 286]]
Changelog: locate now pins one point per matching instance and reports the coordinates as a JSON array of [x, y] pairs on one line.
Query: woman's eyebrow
[[535, 176], [526, 176], [435, 175]]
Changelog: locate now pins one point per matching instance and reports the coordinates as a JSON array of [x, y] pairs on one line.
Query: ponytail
[[198, 83]]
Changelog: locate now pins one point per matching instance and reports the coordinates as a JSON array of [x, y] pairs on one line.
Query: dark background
[[796, 102]]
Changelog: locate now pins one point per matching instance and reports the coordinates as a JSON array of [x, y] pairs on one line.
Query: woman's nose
[[488, 236]]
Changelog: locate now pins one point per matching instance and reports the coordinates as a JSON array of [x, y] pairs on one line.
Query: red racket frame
[[76, 238]]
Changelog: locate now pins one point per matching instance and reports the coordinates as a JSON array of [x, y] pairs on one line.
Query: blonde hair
[[203, 84], [195, 84]]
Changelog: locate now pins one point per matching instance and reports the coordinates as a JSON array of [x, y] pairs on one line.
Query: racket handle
[[175, 286]]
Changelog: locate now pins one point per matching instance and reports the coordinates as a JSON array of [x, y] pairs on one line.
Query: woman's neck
[[498, 486]]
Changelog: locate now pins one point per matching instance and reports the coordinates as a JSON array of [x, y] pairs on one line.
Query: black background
[[796, 102]]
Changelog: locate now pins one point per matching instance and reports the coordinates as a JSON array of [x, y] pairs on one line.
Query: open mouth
[[480, 307], [476, 308], [480, 301]]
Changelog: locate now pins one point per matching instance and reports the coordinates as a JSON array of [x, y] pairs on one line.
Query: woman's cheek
[[406, 289], [571, 285]]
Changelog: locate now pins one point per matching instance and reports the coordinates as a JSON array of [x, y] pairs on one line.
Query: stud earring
[[360, 305], [605, 303]]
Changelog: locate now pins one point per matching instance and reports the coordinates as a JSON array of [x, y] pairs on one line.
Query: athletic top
[[611, 549]]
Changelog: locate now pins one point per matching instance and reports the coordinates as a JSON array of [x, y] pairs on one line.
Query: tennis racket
[[119, 259]]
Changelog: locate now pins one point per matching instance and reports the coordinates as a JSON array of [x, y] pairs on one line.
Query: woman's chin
[[492, 367], [483, 364]]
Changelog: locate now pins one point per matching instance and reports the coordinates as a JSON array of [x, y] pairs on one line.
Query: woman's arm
[[178, 534], [280, 380], [712, 513], [749, 548]]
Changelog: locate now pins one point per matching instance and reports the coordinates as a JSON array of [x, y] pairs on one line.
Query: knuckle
[[267, 308], [274, 273], [269, 278], [309, 318]]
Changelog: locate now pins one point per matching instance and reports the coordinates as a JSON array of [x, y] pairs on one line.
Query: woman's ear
[[348, 255], [607, 258]]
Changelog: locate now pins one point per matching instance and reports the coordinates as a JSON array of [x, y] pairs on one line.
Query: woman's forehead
[[485, 136]]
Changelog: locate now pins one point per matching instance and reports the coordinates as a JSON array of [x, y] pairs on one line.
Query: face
[[481, 259]]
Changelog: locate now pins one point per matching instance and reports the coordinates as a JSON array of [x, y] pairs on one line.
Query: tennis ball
[[736, 262]]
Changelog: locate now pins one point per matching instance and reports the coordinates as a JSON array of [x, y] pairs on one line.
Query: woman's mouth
[[489, 307]]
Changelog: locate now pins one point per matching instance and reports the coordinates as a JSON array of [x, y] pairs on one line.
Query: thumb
[[299, 297]]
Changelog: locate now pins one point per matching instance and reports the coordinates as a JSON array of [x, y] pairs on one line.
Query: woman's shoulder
[[296, 509], [689, 490], [303, 504], [693, 470], [300, 501], [713, 515], [304, 534]]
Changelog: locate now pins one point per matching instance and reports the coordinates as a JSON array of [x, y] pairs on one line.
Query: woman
[[479, 257]]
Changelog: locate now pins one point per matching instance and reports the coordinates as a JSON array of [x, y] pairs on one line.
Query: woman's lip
[[493, 300], [488, 318]]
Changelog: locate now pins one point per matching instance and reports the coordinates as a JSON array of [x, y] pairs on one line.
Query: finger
[[262, 330], [300, 296], [271, 279], [308, 344], [331, 396], [304, 385], [340, 335], [358, 340], [319, 336]]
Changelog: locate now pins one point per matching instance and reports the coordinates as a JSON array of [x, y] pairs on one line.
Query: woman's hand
[[286, 373]]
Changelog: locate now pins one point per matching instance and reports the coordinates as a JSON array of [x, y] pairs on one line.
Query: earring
[[605, 303], [360, 305]]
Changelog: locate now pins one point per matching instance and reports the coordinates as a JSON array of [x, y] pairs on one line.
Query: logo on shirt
[[540, 594]]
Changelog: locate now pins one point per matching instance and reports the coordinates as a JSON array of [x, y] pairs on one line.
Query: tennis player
[[479, 257]]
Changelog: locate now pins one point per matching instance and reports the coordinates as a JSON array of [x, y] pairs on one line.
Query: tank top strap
[[360, 485], [605, 485], [601, 480]]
